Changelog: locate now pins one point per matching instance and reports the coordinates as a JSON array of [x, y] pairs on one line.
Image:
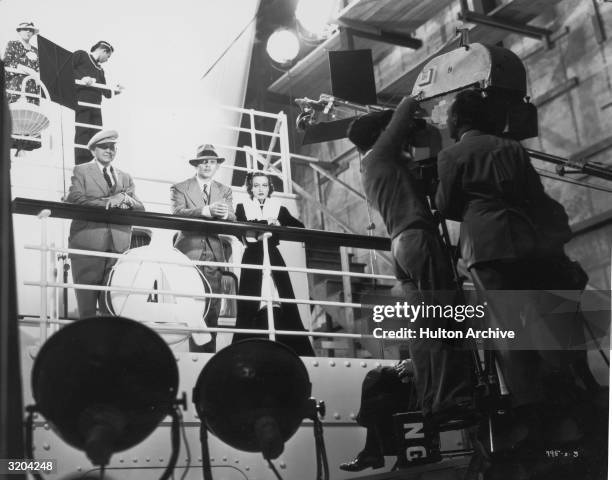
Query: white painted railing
[[49, 314]]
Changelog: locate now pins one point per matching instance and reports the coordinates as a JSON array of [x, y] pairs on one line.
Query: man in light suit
[[201, 196], [99, 184]]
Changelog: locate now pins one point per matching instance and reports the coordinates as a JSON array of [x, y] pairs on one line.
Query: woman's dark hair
[[104, 46], [249, 182]]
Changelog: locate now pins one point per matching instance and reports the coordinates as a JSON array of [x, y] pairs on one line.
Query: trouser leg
[[443, 368], [213, 276], [89, 270]]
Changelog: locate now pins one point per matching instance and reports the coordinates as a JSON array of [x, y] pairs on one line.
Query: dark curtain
[[56, 72]]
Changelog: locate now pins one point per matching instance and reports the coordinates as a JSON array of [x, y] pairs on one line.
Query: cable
[[554, 176], [321, 453], [29, 427], [228, 47], [206, 468], [271, 465], [175, 437], [186, 443]]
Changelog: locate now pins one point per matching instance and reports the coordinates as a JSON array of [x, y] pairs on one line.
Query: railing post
[[53, 262], [253, 134], [44, 252], [267, 284], [285, 153], [319, 197], [348, 297]]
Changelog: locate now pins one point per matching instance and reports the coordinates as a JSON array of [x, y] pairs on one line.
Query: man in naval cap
[[99, 184]]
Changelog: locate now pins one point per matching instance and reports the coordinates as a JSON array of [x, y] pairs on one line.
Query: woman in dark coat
[[253, 314]]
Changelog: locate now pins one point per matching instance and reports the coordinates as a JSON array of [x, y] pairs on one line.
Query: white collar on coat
[[253, 210]]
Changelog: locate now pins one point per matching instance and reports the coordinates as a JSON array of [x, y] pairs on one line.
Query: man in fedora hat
[[87, 67], [201, 196], [99, 184]]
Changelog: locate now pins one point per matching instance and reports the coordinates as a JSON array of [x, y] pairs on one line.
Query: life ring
[[151, 271]]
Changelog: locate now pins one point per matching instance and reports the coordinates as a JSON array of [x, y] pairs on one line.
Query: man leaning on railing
[[202, 196], [99, 184]]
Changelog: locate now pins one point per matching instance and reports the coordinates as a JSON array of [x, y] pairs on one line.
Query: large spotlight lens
[[315, 15], [283, 46]]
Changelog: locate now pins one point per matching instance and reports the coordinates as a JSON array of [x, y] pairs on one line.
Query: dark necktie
[[205, 194], [107, 178]]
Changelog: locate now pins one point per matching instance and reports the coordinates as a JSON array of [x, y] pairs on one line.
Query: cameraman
[[443, 370], [511, 238]]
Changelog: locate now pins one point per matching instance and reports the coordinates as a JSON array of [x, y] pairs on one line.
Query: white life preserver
[[151, 271]]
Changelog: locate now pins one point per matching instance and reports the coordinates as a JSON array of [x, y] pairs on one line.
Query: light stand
[[253, 395], [105, 384]]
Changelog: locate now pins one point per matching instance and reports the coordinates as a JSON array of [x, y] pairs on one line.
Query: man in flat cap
[[87, 67], [201, 196], [99, 184]]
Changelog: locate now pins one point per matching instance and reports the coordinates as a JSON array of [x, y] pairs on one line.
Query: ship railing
[[276, 159], [91, 126], [49, 289]]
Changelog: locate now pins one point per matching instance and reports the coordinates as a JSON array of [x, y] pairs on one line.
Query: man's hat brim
[[196, 161]]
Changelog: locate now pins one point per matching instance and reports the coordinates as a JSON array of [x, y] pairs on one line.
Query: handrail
[[28, 206], [208, 263], [100, 86]]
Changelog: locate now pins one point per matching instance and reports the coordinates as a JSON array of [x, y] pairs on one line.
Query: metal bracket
[[538, 33], [562, 170]]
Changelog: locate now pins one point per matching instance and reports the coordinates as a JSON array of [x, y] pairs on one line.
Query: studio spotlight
[[315, 16], [105, 384], [283, 46], [253, 395]]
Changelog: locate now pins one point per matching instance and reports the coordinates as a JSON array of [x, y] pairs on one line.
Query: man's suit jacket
[[89, 188], [187, 200], [489, 184]]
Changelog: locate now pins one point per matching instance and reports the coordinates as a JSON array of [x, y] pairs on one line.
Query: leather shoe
[[361, 462]]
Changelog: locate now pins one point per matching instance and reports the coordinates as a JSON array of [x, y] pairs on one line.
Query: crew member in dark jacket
[[385, 391], [87, 66], [511, 238], [443, 370]]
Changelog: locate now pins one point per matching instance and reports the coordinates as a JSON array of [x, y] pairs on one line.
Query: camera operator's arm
[[379, 165], [449, 197], [391, 141]]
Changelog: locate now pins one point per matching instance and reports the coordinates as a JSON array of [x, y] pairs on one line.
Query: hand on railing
[[91, 82], [88, 81], [219, 210], [120, 200]]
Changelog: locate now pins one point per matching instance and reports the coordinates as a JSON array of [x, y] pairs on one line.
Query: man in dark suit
[[385, 391], [511, 238], [442, 370], [99, 184], [87, 67], [201, 196]]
